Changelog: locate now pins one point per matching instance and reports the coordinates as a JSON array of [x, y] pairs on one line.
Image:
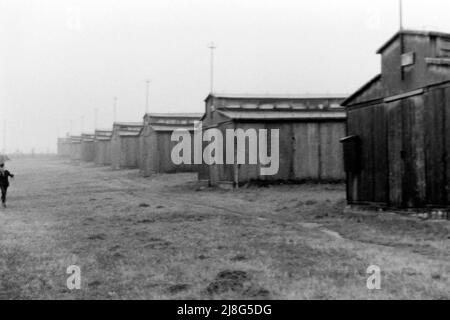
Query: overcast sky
[[61, 59]]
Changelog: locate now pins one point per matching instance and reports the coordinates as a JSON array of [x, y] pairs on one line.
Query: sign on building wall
[[408, 59]]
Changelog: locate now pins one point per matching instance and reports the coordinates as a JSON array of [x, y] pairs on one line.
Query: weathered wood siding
[[404, 151], [103, 152], [156, 150], [217, 173], [63, 146], [87, 151], [124, 152], [75, 151], [66, 149], [308, 151]]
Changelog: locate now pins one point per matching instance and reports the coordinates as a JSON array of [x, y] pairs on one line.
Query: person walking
[[4, 182]]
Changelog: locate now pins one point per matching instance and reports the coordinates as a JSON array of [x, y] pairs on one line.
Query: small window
[[408, 59]]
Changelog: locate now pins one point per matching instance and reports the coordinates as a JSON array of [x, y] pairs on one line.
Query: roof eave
[[413, 33], [347, 101]]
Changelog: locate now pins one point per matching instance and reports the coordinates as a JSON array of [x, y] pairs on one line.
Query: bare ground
[[165, 237]]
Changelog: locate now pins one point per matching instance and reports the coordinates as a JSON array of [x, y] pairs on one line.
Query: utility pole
[[147, 88], [115, 109], [212, 47]]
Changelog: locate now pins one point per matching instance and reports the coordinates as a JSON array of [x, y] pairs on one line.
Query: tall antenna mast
[[147, 91], [401, 14], [402, 41], [212, 47], [115, 109]]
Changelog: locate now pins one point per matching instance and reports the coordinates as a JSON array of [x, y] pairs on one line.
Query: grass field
[[165, 237]]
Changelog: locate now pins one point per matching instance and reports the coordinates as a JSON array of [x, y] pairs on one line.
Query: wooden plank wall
[[286, 151], [163, 151], [447, 144], [366, 127], [221, 172], [63, 149], [87, 151], [75, 151], [149, 160], [246, 172], [98, 153], [66, 149], [436, 176], [413, 182], [380, 153], [332, 160], [156, 150], [309, 151], [371, 183], [116, 152], [103, 153], [108, 153], [129, 152], [353, 178], [395, 148], [360, 124], [405, 151]]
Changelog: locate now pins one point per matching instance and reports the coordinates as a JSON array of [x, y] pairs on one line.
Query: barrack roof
[[127, 124], [172, 127], [173, 115], [125, 133], [362, 89], [413, 33], [103, 131], [103, 135], [172, 121], [75, 139], [277, 96], [243, 114]]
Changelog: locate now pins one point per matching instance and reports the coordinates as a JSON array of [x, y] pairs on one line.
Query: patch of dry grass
[[163, 237]]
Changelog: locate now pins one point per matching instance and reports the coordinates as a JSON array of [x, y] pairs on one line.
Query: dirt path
[[165, 237]]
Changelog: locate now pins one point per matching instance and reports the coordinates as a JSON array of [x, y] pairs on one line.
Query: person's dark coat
[[4, 178]]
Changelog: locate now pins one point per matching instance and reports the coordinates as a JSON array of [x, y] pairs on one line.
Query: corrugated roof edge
[[347, 101], [284, 115], [103, 134], [103, 131], [128, 124], [174, 115], [76, 139], [172, 128], [277, 96]]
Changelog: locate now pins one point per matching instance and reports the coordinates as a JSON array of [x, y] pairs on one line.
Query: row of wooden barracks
[[308, 126], [390, 140]]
